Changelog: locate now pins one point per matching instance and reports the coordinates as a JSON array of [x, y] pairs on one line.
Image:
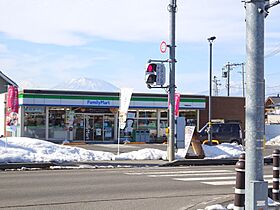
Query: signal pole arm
[[159, 61], [269, 5]]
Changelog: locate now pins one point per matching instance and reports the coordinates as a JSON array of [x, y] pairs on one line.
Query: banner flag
[[177, 103], [12, 100], [124, 104], [12, 108]]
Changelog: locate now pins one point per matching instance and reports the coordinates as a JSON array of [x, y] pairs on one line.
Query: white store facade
[[56, 115]]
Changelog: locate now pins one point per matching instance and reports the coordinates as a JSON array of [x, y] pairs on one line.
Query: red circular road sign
[[163, 47]]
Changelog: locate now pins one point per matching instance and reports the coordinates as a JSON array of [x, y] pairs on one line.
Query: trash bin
[[142, 135], [146, 136], [137, 136]]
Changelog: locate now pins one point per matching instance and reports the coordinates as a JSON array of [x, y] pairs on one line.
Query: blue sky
[[47, 42]]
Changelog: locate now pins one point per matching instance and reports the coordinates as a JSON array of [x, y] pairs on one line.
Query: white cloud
[[46, 69], [82, 22], [72, 22]]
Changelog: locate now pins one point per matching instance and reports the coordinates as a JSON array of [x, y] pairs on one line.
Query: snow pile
[[33, 150], [222, 151], [22, 149], [87, 84], [143, 154], [230, 206], [272, 202], [215, 207], [274, 141]]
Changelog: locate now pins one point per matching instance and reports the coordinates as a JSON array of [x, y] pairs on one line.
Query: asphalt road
[[152, 188]]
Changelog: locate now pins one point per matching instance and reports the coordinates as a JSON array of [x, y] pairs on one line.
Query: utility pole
[[254, 184], [255, 187], [228, 77], [172, 8], [243, 78], [216, 86], [226, 74]]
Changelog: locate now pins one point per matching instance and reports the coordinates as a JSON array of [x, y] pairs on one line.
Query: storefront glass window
[[147, 114], [163, 114], [79, 127], [108, 127], [57, 129], [34, 122], [191, 117]]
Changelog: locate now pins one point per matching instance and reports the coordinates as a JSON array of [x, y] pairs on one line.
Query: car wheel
[[235, 141]]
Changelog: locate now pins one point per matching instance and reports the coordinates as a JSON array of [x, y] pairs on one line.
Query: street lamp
[[210, 40]]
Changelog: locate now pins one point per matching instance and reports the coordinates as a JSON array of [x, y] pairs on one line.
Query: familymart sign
[[149, 101]]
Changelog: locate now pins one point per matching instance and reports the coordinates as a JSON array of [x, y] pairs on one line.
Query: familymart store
[[93, 116]]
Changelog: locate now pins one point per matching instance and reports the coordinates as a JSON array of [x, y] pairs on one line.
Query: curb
[[132, 163], [4, 166], [135, 142], [205, 162], [202, 162]]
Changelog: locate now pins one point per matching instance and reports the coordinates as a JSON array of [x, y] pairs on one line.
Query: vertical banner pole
[[119, 135], [125, 97]]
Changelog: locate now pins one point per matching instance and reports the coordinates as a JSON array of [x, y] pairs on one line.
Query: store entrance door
[[94, 130], [88, 128]]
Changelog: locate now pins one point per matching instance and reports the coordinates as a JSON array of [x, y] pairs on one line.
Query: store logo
[[98, 102]]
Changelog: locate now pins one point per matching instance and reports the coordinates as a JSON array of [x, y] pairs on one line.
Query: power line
[[273, 52]]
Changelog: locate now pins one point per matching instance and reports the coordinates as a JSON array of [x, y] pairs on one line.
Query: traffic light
[[155, 74], [151, 71], [225, 74]]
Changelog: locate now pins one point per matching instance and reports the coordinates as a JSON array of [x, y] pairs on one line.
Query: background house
[[272, 110], [4, 82]]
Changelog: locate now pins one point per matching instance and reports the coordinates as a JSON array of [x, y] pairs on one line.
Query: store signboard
[[189, 130], [107, 101], [98, 102]]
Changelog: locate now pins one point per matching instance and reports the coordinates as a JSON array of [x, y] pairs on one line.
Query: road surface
[[151, 188]]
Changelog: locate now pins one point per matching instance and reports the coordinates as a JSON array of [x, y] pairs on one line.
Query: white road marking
[[208, 177], [222, 183], [211, 178], [176, 172], [177, 175]]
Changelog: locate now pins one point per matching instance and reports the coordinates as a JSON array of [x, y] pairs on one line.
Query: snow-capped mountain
[[87, 84]]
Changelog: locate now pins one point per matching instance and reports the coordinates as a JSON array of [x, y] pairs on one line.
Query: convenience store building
[[93, 116]]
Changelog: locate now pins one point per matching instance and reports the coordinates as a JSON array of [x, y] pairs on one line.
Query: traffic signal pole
[[172, 7], [255, 187]]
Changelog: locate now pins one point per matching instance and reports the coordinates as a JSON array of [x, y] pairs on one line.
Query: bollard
[[275, 185], [239, 196]]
